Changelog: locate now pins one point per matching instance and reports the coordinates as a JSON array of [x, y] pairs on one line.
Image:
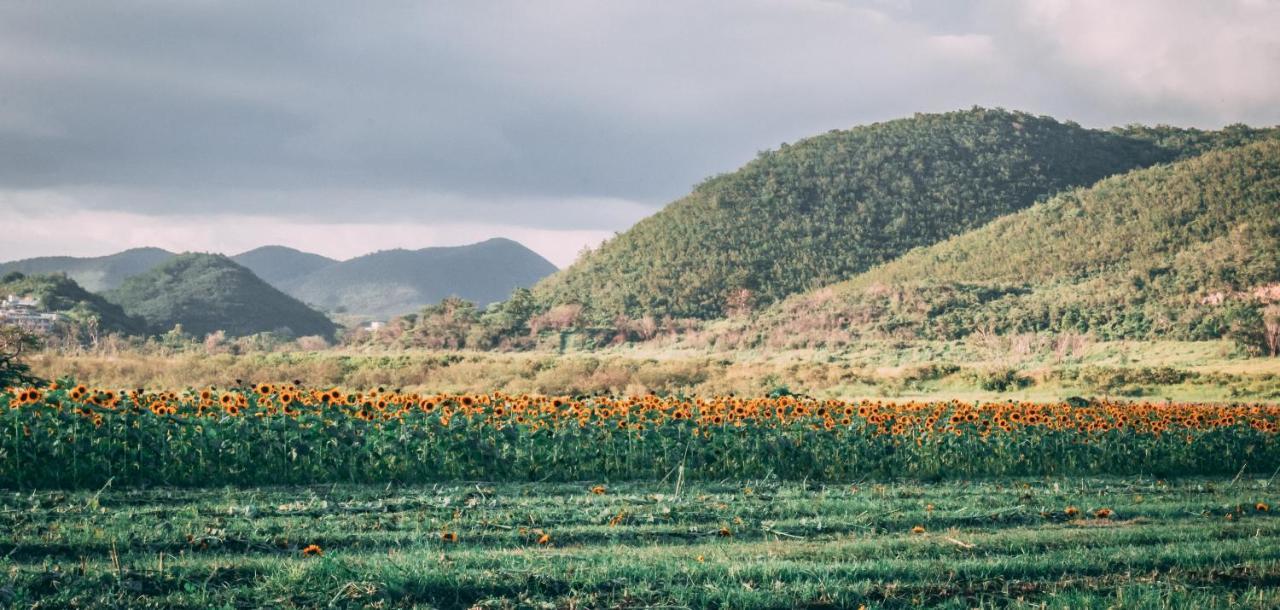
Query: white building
[[26, 313]]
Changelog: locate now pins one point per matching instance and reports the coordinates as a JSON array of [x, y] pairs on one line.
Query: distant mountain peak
[[96, 273], [392, 282]]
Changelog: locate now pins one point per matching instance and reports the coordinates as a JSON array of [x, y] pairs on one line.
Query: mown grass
[[757, 544]]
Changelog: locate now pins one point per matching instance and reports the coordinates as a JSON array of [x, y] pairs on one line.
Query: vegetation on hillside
[[95, 274], [831, 206], [88, 315], [1184, 250], [206, 293]]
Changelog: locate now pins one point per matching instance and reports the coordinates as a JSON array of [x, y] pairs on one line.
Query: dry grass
[[1052, 370]]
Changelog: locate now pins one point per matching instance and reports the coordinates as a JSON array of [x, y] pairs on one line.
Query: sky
[[347, 127]]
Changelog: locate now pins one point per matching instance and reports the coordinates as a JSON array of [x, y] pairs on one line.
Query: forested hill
[[831, 206], [96, 273], [58, 293], [210, 292], [1188, 250]]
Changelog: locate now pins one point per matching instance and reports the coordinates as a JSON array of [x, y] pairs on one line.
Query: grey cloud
[[559, 114]]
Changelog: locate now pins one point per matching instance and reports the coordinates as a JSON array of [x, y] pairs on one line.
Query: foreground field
[[1134, 543]]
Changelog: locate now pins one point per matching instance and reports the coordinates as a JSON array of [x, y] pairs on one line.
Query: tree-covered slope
[[281, 266], [94, 274], [829, 207], [58, 293], [394, 282], [1173, 251], [210, 292]]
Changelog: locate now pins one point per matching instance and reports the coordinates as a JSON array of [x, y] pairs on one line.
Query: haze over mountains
[[281, 265], [97, 273], [374, 286], [394, 282]]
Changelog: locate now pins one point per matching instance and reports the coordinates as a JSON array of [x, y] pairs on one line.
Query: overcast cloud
[[343, 128]]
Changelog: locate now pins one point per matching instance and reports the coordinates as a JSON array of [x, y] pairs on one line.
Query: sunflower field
[[71, 436]]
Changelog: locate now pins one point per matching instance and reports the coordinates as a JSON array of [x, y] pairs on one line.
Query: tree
[[445, 325], [15, 342], [1271, 329], [1245, 326]]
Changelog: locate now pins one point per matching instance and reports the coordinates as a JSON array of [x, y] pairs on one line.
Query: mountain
[[394, 282], [378, 285], [1174, 251], [280, 266], [210, 292], [94, 274], [831, 206], [58, 293]]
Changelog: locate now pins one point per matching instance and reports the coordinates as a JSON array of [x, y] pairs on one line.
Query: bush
[[14, 343], [1001, 380]]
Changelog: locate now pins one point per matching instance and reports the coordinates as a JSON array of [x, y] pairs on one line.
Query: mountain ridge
[[1178, 250], [831, 206], [484, 272], [93, 273], [399, 281]]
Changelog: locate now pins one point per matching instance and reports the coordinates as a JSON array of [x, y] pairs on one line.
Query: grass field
[[763, 544], [1031, 369]]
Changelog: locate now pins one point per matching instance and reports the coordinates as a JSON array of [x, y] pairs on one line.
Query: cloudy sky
[[347, 127]]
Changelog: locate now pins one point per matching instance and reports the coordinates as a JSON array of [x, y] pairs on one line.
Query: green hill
[[210, 292], [280, 266], [394, 282], [1176, 251], [377, 285], [829, 207], [94, 274], [61, 294]]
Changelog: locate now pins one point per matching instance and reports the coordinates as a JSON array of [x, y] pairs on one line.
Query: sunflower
[[449, 537], [598, 490], [313, 550], [1072, 511], [544, 539], [919, 529], [1103, 513], [1262, 507]]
